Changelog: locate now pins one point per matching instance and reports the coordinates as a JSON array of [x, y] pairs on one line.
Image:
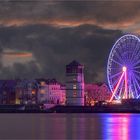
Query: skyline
[[39, 38]]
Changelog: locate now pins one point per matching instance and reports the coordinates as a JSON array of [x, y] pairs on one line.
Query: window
[[33, 91], [74, 79], [42, 83], [42, 91], [74, 86], [74, 94]]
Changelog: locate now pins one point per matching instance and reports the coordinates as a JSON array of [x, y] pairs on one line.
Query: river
[[70, 126]]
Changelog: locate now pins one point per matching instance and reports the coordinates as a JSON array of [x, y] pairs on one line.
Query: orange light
[[42, 91], [33, 91]]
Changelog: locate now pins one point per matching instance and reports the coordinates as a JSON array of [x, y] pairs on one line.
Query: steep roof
[[74, 63]]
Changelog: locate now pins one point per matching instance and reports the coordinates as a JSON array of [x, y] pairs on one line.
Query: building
[[96, 92], [51, 92], [56, 92], [7, 91], [39, 91], [74, 84], [43, 91], [27, 92]]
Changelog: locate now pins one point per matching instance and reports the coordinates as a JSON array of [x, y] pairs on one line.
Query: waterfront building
[[74, 84], [96, 92], [39, 91], [7, 91], [56, 92], [27, 92], [51, 92], [43, 91]]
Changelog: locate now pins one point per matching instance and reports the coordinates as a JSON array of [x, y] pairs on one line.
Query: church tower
[[74, 84]]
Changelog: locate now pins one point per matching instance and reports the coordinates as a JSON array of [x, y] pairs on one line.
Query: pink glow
[[126, 85], [120, 131], [124, 69], [116, 87]]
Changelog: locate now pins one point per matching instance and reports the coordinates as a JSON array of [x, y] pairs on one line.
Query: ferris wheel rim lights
[[124, 68]]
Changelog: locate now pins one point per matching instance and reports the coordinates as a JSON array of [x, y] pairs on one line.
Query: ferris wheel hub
[[124, 68]]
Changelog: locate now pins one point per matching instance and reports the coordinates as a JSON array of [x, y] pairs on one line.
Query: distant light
[[124, 68], [116, 102]]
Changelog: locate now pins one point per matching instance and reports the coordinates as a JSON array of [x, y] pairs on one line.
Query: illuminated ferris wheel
[[123, 68]]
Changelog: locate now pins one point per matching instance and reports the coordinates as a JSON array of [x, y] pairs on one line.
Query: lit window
[[42, 91], [33, 91], [74, 79], [42, 83], [74, 86], [74, 94]]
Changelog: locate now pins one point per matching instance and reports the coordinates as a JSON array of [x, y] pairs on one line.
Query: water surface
[[70, 126]]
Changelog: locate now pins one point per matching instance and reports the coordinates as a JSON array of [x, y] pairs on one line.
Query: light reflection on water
[[70, 126], [121, 126]]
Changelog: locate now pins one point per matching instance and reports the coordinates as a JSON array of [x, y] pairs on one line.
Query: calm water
[[70, 126]]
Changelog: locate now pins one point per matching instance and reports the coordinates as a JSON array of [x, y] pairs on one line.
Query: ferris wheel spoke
[[117, 62], [136, 71], [131, 91], [119, 57], [116, 87], [136, 63], [137, 77], [130, 87], [138, 96], [119, 48], [136, 83], [126, 49], [129, 49], [136, 92], [115, 75], [134, 51], [135, 89], [137, 57], [115, 83], [117, 80], [122, 46], [137, 67], [121, 88]]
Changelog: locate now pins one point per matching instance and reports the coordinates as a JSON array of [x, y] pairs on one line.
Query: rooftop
[[74, 63]]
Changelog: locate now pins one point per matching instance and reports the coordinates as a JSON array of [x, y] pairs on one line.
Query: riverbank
[[71, 109], [95, 109]]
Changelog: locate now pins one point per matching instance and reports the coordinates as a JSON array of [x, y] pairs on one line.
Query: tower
[[74, 84]]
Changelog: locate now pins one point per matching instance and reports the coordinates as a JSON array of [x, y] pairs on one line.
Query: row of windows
[[55, 88], [76, 70]]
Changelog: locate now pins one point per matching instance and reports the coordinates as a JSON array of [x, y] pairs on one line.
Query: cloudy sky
[[39, 37]]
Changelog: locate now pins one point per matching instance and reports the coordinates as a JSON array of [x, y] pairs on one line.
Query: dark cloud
[[118, 14], [23, 71], [56, 32], [53, 48]]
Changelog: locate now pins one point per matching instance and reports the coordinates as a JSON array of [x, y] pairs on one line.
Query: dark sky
[[39, 37]]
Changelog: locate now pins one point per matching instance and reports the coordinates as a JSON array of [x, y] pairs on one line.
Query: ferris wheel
[[123, 68]]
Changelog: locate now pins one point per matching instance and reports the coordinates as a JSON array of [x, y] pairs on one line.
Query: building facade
[[27, 92], [51, 92], [74, 84], [39, 91], [96, 92], [56, 92], [7, 91]]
